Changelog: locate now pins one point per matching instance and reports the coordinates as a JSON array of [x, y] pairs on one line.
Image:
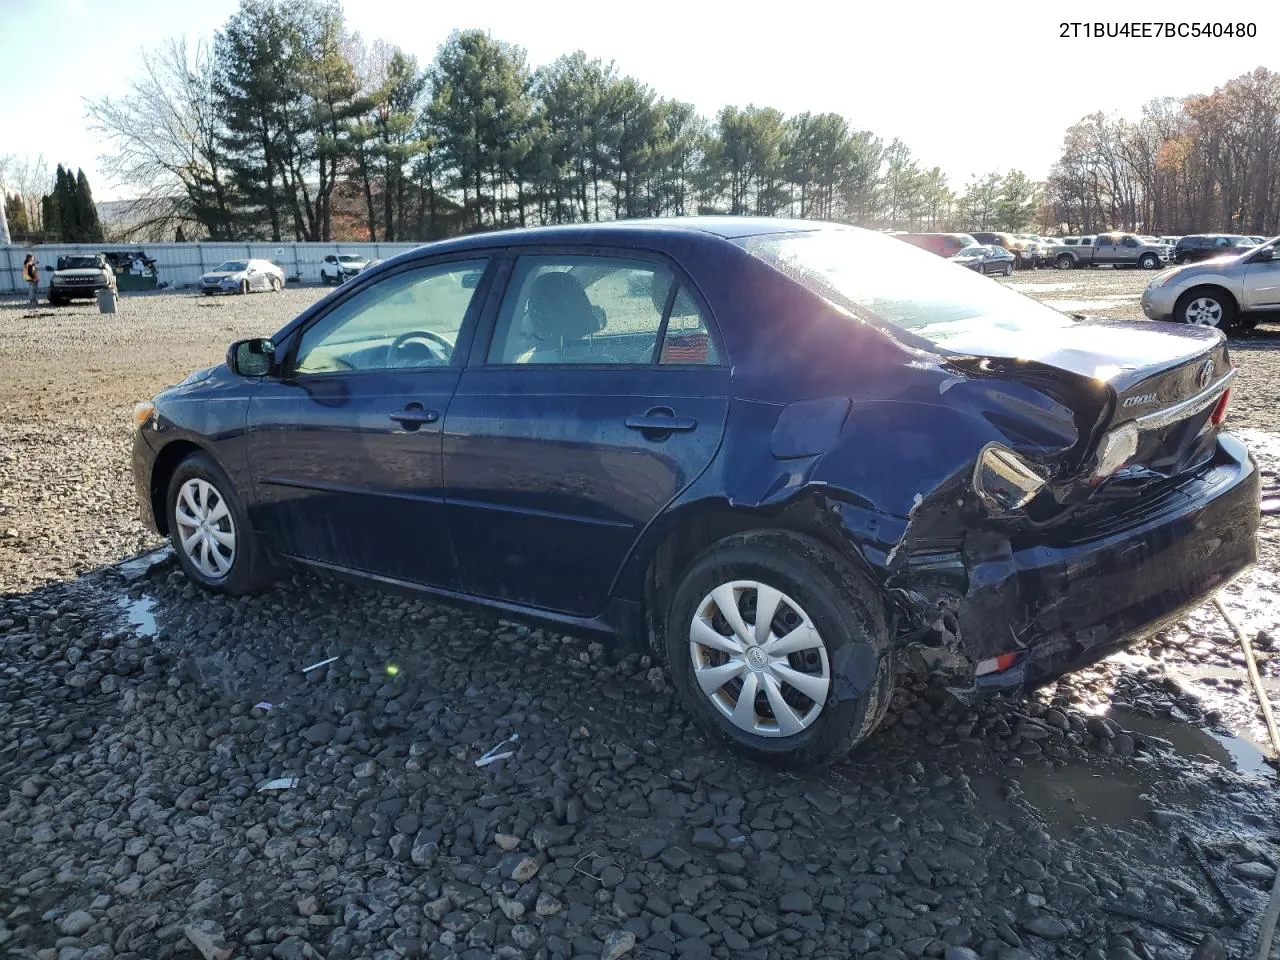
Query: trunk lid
[[1167, 378]]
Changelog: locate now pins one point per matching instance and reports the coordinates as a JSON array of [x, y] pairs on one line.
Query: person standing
[[31, 275]]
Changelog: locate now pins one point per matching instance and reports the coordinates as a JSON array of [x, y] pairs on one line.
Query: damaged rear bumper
[[1016, 610], [1060, 605]]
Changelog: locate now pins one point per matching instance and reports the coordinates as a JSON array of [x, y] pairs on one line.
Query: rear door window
[[598, 310]]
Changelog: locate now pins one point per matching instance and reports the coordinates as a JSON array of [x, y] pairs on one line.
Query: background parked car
[[1222, 292], [1007, 241], [1116, 249], [1206, 246], [943, 244], [242, 276], [79, 277], [985, 259], [339, 267]]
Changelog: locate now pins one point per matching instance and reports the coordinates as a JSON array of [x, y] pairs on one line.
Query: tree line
[[66, 214], [1203, 163], [290, 126]]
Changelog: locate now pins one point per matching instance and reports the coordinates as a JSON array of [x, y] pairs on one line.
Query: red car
[[943, 244]]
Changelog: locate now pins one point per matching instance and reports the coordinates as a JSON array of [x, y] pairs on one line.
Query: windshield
[[231, 266], [78, 263], [1243, 242], [900, 284], [349, 258]]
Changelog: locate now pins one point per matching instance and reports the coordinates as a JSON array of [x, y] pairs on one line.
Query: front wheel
[[210, 530], [275, 284], [1008, 269], [1064, 262], [1149, 261], [777, 645], [1205, 308], [244, 286]]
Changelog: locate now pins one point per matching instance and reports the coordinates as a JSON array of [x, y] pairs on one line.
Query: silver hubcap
[[205, 528], [1204, 312], [759, 659]]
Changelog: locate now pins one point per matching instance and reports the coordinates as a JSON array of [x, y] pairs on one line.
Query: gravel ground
[[143, 722]]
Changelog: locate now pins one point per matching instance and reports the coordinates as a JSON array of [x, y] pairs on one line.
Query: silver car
[[242, 276], [1218, 293]]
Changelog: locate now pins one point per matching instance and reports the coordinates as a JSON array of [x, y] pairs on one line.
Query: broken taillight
[[1220, 411], [995, 664]]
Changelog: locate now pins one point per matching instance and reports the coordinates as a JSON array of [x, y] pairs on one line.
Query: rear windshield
[[875, 276]]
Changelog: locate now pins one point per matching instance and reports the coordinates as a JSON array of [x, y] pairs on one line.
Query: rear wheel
[[57, 302], [210, 530], [1064, 262], [275, 284], [244, 286], [1008, 269], [1206, 307], [779, 647]]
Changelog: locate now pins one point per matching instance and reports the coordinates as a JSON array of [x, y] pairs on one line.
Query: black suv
[[1207, 246]]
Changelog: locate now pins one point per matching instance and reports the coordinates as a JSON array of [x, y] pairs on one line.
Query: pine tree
[[64, 206], [49, 216], [88, 225], [15, 212]]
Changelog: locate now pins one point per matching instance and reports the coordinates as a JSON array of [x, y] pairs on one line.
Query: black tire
[[1008, 269], [843, 607], [1149, 261], [275, 284], [1065, 262], [57, 302], [1227, 306], [244, 287], [250, 568]]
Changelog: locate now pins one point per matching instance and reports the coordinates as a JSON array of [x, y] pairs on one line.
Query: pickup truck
[[1117, 249]]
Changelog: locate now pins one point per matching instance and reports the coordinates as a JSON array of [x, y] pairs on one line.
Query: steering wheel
[[416, 347]]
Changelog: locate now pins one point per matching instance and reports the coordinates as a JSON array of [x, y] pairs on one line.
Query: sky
[[970, 87]]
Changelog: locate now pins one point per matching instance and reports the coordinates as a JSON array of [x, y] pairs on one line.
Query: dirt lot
[[139, 719]]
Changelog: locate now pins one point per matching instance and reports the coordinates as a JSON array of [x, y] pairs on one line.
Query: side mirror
[[251, 358]]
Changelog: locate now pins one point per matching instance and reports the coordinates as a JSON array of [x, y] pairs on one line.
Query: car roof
[[724, 227]]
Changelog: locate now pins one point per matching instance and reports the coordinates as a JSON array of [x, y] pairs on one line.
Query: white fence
[[180, 264]]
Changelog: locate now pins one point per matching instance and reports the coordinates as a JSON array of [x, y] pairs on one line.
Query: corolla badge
[[1204, 374], [1139, 399]]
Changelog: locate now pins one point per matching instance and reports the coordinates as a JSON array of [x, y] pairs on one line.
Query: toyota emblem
[[1205, 374]]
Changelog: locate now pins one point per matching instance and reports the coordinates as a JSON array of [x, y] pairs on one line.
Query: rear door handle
[[659, 422], [414, 416]]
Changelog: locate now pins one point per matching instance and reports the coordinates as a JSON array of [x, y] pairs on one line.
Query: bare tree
[[166, 134]]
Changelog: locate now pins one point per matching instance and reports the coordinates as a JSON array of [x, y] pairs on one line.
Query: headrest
[[559, 308]]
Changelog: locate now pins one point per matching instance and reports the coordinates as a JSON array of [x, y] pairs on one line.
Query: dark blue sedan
[[783, 452]]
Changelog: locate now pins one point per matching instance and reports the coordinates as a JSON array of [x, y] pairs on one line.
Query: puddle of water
[[140, 614], [1076, 796], [1232, 752]]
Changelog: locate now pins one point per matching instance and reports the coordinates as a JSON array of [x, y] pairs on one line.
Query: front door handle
[[414, 416], [659, 422]]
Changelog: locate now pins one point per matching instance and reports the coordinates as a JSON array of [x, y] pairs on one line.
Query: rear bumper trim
[[1180, 411]]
